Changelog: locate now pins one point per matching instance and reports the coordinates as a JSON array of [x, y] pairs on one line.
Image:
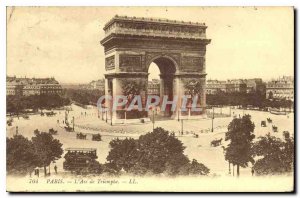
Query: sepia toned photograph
[[150, 99]]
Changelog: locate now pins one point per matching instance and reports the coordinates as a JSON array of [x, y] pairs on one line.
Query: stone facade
[[32, 86], [236, 85], [154, 87], [178, 48], [281, 88]]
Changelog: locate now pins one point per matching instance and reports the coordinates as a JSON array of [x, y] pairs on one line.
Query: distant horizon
[[78, 83]]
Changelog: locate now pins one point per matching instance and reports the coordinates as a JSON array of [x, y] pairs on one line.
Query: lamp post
[[106, 116], [125, 116], [212, 120], [102, 114], [111, 117], [73, 123], [153, 121], [181, 126]]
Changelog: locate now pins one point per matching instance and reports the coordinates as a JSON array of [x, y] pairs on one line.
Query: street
[[87, 121]]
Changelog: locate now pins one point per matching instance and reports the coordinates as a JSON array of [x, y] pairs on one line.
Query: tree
[[156, 152], [193, 88], [270, 96], [276, 156], [132, 88], [20, 155], [123, 154], [194, 168], [158, 149], [47, 149], [240, 134], [17, 104], [288, 150]]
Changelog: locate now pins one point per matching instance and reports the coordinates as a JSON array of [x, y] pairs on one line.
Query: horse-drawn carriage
[[51, 113], [274, 128], [52, 131], [26, 117], [81, 136], [96, 137], [81, 160], [216, 142], [68, 128], [263, 123], [9, 122]]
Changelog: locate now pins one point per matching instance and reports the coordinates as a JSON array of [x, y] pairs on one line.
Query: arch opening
[[161, 73]]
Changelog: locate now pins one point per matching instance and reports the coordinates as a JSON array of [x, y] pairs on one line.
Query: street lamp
[[106, 116], [102, 114], [212, 120], [73, 123], [125, 115], [153, 121], [181, 126]]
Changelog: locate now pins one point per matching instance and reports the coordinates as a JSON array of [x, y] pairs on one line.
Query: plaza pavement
[[87, 121]]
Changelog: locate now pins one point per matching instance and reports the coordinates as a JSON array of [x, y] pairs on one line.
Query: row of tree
[[269, 155], [24, 155], [18, 104], [255, 99], [83, 96]]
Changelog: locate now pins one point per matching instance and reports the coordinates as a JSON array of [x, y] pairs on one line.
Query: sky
[[64, 42]]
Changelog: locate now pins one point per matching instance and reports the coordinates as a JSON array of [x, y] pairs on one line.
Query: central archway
[[167, 70]]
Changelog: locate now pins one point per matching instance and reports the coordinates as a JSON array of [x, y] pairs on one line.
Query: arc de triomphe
[[178, 48]]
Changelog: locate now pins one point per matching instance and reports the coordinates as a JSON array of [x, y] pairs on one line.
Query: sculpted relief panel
[[192, 64], [110, 63], [130, 63]]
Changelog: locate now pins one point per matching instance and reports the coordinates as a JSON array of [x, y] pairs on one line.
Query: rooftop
[[152, 20]]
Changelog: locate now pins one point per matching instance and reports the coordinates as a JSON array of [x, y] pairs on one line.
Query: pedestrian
[[55, 169], [63, 122], [57, 121], [252, 171], [38, 172]]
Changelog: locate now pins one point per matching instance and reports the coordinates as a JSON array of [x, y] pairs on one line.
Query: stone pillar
[[203, 95]]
